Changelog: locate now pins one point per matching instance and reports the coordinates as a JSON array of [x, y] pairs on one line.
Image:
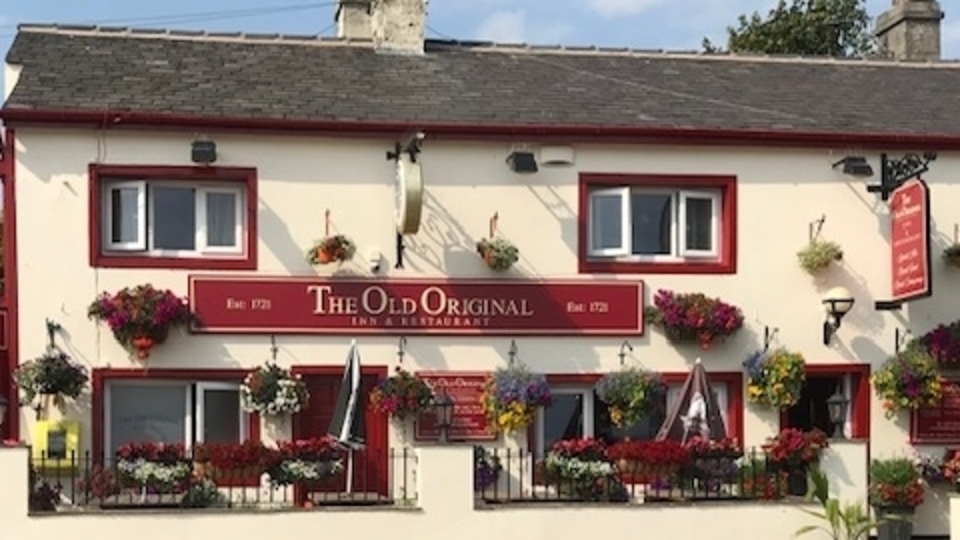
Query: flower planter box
[[249, 474]]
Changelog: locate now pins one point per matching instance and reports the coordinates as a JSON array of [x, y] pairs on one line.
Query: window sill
[[174, 263], [613, 266]]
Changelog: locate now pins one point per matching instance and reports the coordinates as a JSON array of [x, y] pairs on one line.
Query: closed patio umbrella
[[695, 413], [348, 424]]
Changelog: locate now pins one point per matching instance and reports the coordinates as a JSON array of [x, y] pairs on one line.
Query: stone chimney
[[399, 25], [353, 19], [910, 30]]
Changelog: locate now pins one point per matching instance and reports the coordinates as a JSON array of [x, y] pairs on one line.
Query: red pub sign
[[468, 423], [939, 425], [316, 305], [910, 240]]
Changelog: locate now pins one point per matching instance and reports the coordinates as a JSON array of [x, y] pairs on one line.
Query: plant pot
[[896, 522], [797, 482], [324, 256], [247, 474], [143, 345]]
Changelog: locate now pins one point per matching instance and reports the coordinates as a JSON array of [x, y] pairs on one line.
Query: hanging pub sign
[[910, 241], [312, 305], [939, 424], [468, 423]]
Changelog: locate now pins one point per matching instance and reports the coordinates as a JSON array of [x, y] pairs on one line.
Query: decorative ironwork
[[894, 172], [624, 348]]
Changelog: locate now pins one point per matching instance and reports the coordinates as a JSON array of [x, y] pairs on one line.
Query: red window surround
[[239, 175], [733, 380], [10, 426], [727, 262], [860, 390], [100, 376]]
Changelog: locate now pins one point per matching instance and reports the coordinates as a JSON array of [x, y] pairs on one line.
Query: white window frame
[[140, 244], [678, 249], [586, 393], [193, 418], [145, 244]]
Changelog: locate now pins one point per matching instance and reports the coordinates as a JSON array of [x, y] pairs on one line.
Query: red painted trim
[[860, 402], [727, 263], [8, 170], [538, 132], [100, 376], [733, 380], [239, 175]]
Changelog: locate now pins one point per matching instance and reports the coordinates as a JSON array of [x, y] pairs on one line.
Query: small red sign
[[910, 240], [314, 305], [468, 422], [939, 425]]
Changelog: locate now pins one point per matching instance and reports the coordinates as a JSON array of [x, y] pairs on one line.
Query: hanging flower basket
[[511, 397], [908, 381], [942, 343], [631, 395], [52, 374], [951, 255], [402, 395], [141, 317], [272, 390], [775, 378], [818, 255], [693, 317], [498, 252], [336, 248]]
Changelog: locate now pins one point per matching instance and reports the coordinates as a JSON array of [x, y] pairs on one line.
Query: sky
[[643, 24]]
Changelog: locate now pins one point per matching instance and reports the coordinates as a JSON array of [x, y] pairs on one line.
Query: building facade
[[654, 173]]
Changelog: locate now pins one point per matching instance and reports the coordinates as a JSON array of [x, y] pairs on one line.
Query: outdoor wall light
[[443, 409], [522, 162], [837, 410], [203, 152], [837, 302], [855, 166]]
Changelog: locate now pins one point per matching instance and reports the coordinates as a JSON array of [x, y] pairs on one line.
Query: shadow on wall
[[565, 215], [447, 243]]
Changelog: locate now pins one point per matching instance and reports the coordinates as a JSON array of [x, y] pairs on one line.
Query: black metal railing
[[363, 477], [517, 475]]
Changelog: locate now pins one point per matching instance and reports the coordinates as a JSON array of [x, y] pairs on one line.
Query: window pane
[[140, 413], [221, 219], [563, 419], [221, 416], [652, 215], [699, 225], [606, 222], [125, 214], [174, 218], [644, 430]]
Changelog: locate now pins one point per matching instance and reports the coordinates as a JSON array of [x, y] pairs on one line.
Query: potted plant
[[402, 395], [141, 317], [942, 343], [649, 461], [951, 255], [715, 464], [225, 462], [759, 481], [335, 248], [795, 451], [895, 491], [52, 374], [949, 469], [305, 461], [631, 394], [818, 255], [775, 378], [936, 470], [486, 468], [580, 468], [499, 253], [908, 381], [273, 390], [153, 466], [843, 521], [693, 317], [512, 396]]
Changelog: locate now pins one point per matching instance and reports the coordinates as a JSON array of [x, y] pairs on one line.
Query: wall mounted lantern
[[443, 409], [522, 162], [855, 166], [3, 408], [837, 410], [203, 152], [837, 302]]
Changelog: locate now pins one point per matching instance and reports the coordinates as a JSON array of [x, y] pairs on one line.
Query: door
[[370, 464]]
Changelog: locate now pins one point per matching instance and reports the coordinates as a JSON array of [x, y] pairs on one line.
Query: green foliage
[[804, 27], [819, 254], [849, 521]]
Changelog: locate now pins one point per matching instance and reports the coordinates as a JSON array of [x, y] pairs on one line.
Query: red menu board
[[469, 422], [910, 241], [936, 425]]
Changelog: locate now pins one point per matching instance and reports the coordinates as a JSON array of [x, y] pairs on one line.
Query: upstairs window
[[639, 224]]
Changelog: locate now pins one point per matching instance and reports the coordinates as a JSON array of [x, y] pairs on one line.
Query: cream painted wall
[[780, 193]]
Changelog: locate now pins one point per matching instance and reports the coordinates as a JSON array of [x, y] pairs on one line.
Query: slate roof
[[308, 78]]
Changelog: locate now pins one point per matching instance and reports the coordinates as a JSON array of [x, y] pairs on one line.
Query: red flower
[[654, 453], [151, 451], [796, 447], [319, 449], [584, 449], [227, 456]]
